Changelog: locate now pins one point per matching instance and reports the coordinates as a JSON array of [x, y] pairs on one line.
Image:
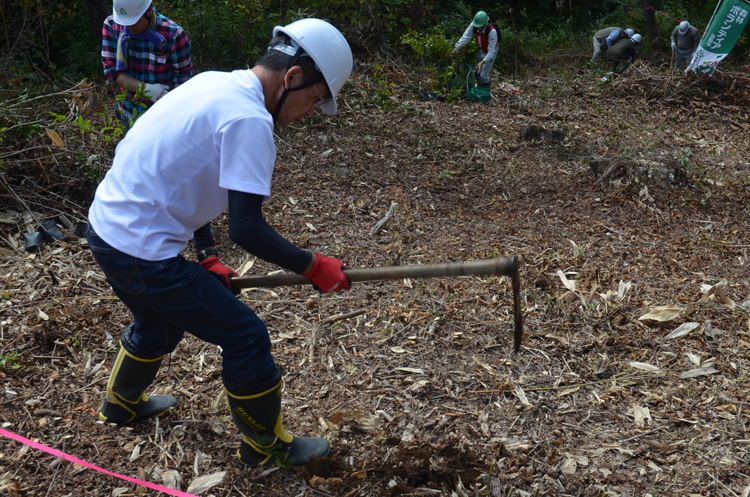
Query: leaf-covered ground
[[625, 198]]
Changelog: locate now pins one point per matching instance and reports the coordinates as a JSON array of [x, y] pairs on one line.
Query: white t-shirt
[[172, 171]]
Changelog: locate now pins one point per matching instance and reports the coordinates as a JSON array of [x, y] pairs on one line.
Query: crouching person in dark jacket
[[623, 52]]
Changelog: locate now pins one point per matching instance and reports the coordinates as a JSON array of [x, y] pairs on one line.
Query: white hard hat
[[328, 48], [127, 12], [684, 26], [629, 32], [636, 38]]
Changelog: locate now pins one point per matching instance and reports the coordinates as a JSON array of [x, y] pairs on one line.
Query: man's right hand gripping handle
[[327, 274]]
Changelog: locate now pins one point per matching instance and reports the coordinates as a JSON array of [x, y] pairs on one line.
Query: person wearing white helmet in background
[[685, 41], [605, 38], [623, 52], [208, 146], [141, 46]]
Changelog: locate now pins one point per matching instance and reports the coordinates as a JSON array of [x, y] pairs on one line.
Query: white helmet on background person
[[636, 38], [629, 32], [684, 26], [328, 48], [128, 12]]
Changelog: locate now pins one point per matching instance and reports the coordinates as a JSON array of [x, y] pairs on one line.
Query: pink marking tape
[[667, 15], [55, 452]]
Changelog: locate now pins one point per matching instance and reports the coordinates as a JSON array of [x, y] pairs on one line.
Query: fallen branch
[[92, 383], [328, 320], [22, 151], [562, 387], [26, 206], [11, 244], [642, 434], [389, 215], [75, 89], [614, 168], [57, 463], [339, 317], [723, 485], [22, 124]]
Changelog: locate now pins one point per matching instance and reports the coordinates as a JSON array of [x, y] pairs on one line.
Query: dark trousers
[[174, 296]]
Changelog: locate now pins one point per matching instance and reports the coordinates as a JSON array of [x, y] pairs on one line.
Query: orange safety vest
[[483, 38]]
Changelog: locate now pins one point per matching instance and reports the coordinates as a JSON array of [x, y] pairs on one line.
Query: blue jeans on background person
[[174, 296]]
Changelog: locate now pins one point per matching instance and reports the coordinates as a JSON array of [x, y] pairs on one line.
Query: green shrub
[[45, 39], [430, 47]]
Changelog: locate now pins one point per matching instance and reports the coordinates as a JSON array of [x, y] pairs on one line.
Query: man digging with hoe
[[166, 185]]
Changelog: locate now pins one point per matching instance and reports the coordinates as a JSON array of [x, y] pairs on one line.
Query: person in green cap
[[488, 38]]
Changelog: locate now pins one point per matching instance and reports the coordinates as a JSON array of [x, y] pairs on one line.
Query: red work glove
[[219, 271], [328, 275]]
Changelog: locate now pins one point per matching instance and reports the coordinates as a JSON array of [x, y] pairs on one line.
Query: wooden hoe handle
[[504, 266]]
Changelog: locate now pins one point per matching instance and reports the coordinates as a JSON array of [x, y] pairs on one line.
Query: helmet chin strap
[[307, 84]]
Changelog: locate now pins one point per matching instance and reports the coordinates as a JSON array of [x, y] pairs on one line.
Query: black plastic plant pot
[[34, 241], [80, 231], [52, 232]]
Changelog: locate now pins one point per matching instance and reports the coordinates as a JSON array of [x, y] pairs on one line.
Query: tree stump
[[538, 133], [529, 133], [660, 177], [598, 166]]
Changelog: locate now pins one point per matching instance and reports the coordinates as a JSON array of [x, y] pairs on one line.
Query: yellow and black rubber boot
[[127, 401], [256, 411]]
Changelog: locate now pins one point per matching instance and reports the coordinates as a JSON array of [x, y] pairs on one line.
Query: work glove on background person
[[155, 91], [327, 274], [219, 271], [673, 46]]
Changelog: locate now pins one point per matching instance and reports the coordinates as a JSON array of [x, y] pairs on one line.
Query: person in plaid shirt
[[139, 45]]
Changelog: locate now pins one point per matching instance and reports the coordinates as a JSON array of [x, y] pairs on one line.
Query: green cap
[[480, 19]]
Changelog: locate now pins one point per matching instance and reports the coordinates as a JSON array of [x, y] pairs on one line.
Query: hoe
[[503, 266]]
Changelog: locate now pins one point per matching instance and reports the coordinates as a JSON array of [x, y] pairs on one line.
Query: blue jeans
[[174, 296]]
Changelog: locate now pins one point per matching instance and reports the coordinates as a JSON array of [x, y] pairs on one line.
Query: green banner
[[722, 33]]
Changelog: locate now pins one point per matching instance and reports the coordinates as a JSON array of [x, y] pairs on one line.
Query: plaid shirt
[[147, 63]]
